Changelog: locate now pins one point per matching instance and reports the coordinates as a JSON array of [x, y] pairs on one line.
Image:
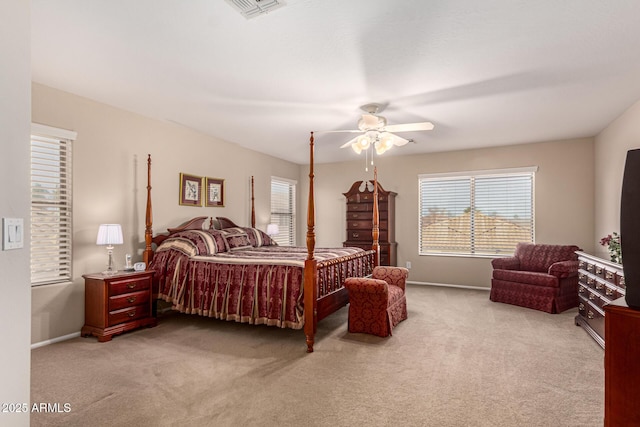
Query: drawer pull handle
[[581, 307], [609, 291], [599, 285], [581, 290], [590, 314], [131, 313], [131, 299], [131, 285], [356, 235], [592, 296]]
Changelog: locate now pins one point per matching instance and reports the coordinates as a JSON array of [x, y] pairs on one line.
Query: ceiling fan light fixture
[[356, 147], [363, 142], [380, 148]]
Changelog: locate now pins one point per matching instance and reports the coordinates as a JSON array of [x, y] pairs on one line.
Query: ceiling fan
[[376, 133]]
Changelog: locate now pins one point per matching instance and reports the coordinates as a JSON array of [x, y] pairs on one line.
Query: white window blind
[[484, 213], [283, 210], [51, 205]]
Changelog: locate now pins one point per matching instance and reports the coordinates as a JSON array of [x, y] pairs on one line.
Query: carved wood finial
[[376, 218], [253, 206], [147, 255]]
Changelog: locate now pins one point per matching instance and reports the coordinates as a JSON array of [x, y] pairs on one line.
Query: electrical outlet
[[409, 265]]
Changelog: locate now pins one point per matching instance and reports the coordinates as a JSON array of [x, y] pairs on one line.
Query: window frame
[[289, 233], [472, 176], [63, 272]]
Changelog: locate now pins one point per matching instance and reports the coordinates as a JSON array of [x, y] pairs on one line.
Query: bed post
[[147, 255], [375, 232], [253, 206], [310, 264]]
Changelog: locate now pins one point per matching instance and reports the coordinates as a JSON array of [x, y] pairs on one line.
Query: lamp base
[[110, 270]]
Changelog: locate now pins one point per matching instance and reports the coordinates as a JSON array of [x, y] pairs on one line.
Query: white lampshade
[[109, 234], [273, 229]]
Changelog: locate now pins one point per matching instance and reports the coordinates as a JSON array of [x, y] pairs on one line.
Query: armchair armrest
[[366, 285], [508, 263], [564, 269]]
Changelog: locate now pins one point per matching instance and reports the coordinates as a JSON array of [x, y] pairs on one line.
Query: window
[[283, 210], [51, 190], [481, 213]]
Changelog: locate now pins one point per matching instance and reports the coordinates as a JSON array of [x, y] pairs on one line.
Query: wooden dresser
[[599, 283], [360, 220], [117, 303], [621, 365]]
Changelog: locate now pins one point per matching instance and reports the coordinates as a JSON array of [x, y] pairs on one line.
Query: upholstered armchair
[[542, 277], [377, 304]]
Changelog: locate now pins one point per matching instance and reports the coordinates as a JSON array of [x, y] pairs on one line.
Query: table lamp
[[109, 235]]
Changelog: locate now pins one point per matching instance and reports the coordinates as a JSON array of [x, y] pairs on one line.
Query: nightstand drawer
[[128, 300], [128, 314], [118, 287]]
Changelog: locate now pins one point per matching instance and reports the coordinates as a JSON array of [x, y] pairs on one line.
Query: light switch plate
[[13, 233]]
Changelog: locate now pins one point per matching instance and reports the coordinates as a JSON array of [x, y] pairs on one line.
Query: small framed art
[[190, 190], [214, 192]]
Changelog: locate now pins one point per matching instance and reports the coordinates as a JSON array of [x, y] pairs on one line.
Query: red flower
[[606, 240]]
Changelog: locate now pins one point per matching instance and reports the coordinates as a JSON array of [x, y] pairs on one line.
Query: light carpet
[[458, 360]]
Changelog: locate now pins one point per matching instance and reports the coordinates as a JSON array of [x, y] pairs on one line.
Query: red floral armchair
[[542, 277], [377, 304]]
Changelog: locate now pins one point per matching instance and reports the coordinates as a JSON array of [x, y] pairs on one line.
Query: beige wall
[[15, 106], [611, 147], [110, 178], [563, 206]]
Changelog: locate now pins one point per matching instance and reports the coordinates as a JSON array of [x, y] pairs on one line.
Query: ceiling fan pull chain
[[366, 160]]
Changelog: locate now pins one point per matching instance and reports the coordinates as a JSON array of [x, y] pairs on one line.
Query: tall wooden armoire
[[360, 220]]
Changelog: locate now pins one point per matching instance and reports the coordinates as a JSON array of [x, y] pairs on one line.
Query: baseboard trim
[[448, 285], [55, 340]]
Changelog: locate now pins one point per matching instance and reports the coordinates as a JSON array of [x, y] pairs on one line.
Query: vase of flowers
[[612, 242]]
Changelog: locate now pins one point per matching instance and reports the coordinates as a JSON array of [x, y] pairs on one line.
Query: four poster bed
[[240, 274]]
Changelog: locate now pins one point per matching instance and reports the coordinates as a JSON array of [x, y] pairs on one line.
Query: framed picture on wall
[[214, 192], [190, 190]]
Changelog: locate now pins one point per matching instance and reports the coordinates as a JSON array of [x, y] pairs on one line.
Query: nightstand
[[116, 303]]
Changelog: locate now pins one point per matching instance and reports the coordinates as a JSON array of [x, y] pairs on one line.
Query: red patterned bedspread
[[249, 281]]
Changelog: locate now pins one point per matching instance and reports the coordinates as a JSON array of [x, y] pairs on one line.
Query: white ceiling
[[486, 73]]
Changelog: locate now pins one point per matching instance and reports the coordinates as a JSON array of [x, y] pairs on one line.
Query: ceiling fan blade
[[409, 127], [397, 140], [348, 143]]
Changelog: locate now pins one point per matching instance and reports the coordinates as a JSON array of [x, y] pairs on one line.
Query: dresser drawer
[[366, 197], [128, 300], [365, 225], [592, 314], [365, 216], [365, 235], [128, 314], [118, 287]]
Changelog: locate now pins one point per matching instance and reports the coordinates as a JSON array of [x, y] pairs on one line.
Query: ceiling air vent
[[252, 8]]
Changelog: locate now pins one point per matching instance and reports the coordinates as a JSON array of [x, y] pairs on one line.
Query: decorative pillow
[[218, 238], [236, 239], [258, 238], [192, 242]]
